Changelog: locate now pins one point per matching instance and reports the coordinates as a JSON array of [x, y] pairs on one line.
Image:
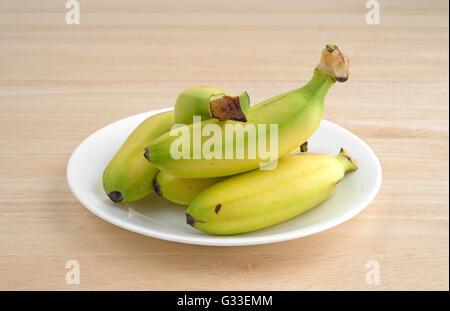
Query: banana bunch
[[129, 176], [297, 115], [226, 193], [183, 190]]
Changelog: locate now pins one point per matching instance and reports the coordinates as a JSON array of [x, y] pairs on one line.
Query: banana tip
[[190, 220], [347, 155], [115, 196], [157, 188], [304, 147], [147, 154]]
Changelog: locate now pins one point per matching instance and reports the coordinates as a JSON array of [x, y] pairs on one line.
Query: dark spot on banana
[[190, 220], [304, 147], [217, 209], [157, 188], [341, 79], [147, 155], [115, 196]]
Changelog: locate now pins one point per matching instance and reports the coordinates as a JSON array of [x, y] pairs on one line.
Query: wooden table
[[60, 82]]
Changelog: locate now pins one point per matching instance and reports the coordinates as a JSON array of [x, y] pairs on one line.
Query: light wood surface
[[59, 83]]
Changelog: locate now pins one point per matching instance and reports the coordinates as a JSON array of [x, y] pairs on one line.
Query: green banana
[[296, 114], [263, 198], [129, 176], [184, 190], [210, 102]]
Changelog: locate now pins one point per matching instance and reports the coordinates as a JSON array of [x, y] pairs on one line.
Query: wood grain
[[59, 83]]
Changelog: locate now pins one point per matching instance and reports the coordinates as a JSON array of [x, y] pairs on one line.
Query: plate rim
[[235, 240]]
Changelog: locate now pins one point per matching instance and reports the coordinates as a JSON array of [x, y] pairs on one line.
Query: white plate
[[158, 218]]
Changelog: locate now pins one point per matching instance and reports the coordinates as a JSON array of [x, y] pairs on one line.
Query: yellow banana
[[263, 198], [183, 190], [295, 114], [129, 176]]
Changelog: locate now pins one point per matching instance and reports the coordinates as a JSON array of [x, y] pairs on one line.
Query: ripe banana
[[210, 102], [184, 190], [129, 176], [262, 198], [181, 190], [297, 115]]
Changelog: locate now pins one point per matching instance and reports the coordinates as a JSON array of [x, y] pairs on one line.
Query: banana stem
[[347, 161], [318, 86], [224, 107], [334, 63]]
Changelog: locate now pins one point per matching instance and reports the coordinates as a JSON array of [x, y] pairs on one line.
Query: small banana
[[210, 102], [296, 114], [129, 176], [262, 198], [183, 190]]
